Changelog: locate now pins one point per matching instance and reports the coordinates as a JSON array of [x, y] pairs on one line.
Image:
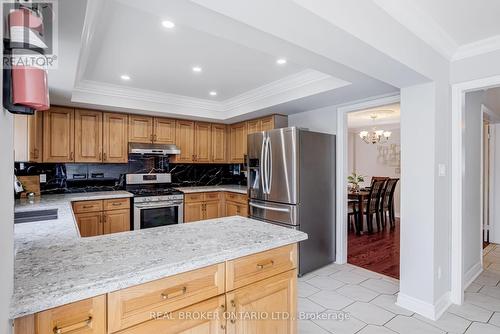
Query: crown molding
[[477, 48], [304, 83]]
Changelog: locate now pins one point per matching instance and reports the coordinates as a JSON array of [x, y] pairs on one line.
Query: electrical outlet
[[442, 170], [43, 178]]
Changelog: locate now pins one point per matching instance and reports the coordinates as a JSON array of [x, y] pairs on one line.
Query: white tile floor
[[367, 302]]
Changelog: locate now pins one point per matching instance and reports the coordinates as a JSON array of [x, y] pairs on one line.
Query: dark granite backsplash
[[97, 177]]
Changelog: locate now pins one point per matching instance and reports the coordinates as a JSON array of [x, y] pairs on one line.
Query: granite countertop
[[48, 276], [229, 188], [60, 230]]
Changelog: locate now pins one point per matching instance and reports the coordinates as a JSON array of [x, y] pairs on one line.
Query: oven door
[[155, 214]]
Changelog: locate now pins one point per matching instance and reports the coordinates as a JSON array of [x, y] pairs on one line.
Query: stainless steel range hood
[[153, 149]]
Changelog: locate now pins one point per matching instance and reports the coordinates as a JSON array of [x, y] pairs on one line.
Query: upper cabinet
[[145, 129], [164, 131], [88, 136], [28, 137], [140, 129], [237, 142], [184, 139], [115, 138], [203, 142], [219, 146], [58, 135]]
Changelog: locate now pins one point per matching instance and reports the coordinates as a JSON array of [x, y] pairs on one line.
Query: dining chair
[[373, 204], [352, 213], [388, 202]]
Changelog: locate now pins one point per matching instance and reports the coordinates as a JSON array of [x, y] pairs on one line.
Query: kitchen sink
[[34, 216]]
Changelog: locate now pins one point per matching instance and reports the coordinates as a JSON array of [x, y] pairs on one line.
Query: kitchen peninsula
[[114, 283]]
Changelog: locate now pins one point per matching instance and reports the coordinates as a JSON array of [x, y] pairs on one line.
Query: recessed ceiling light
[[168, 24], [213, 93], [125, 77], [281, 61], [197, 69]]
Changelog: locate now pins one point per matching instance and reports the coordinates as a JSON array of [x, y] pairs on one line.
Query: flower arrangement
[[354, 180]]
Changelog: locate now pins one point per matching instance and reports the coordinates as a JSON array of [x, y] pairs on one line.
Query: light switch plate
[[442, 170]]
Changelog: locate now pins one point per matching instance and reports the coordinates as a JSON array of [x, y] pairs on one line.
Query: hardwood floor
[[378, 252]]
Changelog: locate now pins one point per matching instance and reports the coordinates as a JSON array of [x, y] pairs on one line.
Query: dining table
[[360, 196]]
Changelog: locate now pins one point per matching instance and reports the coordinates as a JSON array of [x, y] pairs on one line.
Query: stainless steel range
[[156, 203]]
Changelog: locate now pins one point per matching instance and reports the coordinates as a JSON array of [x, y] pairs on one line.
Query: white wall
[[369, 160], [472, 187], [478, 67], [319, 120], [6, 223]]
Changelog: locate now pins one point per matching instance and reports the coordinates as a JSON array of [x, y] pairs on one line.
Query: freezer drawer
[[274, 212]]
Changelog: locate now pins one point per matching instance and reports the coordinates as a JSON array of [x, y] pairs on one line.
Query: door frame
[[458, 104], [342, 168]]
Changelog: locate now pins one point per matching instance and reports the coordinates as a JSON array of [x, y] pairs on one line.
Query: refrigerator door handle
[[269, 165], [264, 207], [266, 169], [261, 165]]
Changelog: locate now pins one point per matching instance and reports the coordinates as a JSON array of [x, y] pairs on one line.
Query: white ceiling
[[466, 21], [134, 42], [388, 114]]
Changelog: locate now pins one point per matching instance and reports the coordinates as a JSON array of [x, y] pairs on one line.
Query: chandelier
[[375, 136]]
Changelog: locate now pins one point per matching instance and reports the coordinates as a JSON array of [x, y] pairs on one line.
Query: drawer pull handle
[[117, 204], [88, 206], [85, 323], [168, 295], [268, 264]]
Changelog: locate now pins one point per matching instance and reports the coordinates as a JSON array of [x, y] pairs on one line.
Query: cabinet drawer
[[235, 197], [87, 206], [84, 317], [178, 322], [253, 268], [195, 197], [134, 305], [116, 204], [212, 196]]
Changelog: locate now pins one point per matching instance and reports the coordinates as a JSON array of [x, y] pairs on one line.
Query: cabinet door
[[219, 143], [164, 131], [88, 136], [140, 129], [243, 210], [253, 126], [212, 209], [184, 139], [274, 298], [115, 138], [238, 142], [232, 209], [59, 135], [203, 142], [267, 123], [83, 317], [116, 221], [35, 137], [193, 212], [89, 224]]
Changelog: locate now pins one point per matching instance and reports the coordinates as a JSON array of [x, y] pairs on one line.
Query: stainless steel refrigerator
[[291, 182]]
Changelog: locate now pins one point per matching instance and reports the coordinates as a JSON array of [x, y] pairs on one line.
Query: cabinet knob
[[104, 157], [71, 156]]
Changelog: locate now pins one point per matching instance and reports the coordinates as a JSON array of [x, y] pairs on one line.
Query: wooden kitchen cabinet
[[28, 137], [202, 142], [193, 212], [184, 139], [83, 317], [237, 142], [88, 136], [212, 209], [276, 296], [200, 206], [140, 129], [98, 217], [164, 130], [253, 126], [236, 204], [115, 138], [58, 135], [219, 146]]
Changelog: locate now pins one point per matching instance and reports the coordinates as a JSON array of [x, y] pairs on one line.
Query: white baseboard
[[471, 275], [428, 310]]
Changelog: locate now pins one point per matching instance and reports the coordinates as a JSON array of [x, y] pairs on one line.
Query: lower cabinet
[[200, 206], [249, 295], [102, 216], [236, 204]]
